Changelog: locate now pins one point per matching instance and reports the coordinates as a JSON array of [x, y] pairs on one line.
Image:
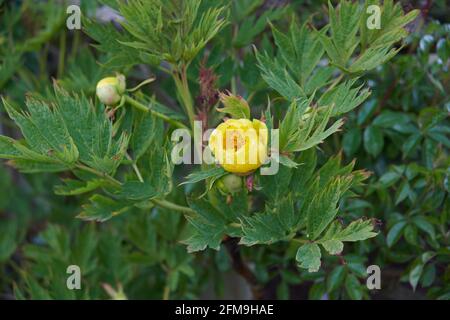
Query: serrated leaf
[[303, 173], [92, 132], [76, 187], [101, 208], [276, 186], [300, 48], [336, 234], [344, 25], [323, 208], [300, 131], [45, 132], [137, 191], [209, 226], [146, 128], [252, 26], [278, 78], [277, 223], [345, 97], [235, 106], [308, 257]]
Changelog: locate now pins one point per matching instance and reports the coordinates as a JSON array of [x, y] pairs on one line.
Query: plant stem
[[302, 241], [141, 107], [100, 174], [75, 45], [172, 206], [182, 85], [166, 292], [135, 168]]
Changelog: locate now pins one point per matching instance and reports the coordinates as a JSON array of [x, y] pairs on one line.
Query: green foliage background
[[396, 105]]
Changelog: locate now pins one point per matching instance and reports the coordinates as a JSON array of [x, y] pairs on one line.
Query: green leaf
[[276, 186], [300, 48], [333, 246], [194, 177], [357, 230], [180, 29], [45, 132], [109, 41], [303, 173], [319, 79], [235, 106], [373, 140], [395, 233], [308, 257], [351, 141], [344, 25], [373, 57], [288, 162], [252, 26], [428, 275], [389, 178], [209, 226], [277, 223], [329, 184], [278, 78], [392, 22], [101, 208], [92, 132], [389, 119], [402, 192], [156, 172], [415, 274], [367, 111], [146, 128], [137, 191], [322, 208], [300, 131], [8, 238], [410, 234], [344, 97], [76, 187], [423, 224], [336, 278], [353, 287]]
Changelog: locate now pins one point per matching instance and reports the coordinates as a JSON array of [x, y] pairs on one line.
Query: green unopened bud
[[230, 183], [110, 90]]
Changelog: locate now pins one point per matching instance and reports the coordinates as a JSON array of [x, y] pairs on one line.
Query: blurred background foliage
[[401, 134]]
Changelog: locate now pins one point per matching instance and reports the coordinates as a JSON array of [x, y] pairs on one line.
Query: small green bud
[[230, 183]]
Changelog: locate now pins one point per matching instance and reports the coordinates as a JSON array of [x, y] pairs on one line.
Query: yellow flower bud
[[110, 90], [240, 145]]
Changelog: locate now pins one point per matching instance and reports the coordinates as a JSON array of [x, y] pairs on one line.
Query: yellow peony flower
[[240, 145], [110, 90]]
